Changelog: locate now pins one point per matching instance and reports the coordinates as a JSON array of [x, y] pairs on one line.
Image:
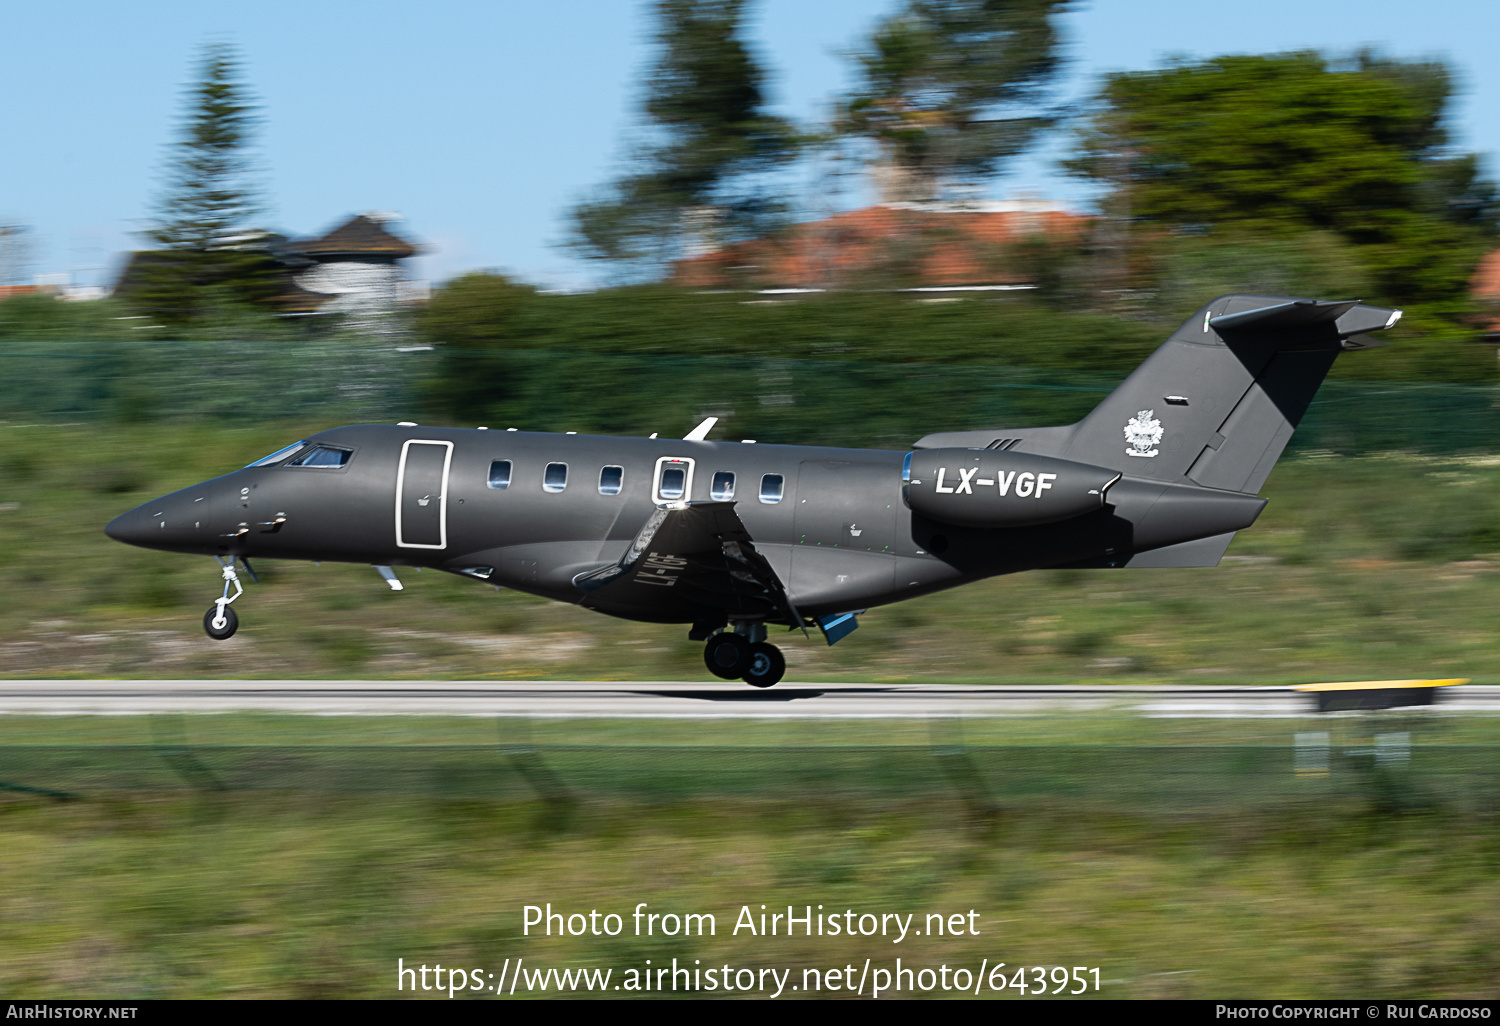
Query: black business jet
[[733, 537]]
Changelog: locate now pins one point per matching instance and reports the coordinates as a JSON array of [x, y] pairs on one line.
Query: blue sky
[[481, 122]]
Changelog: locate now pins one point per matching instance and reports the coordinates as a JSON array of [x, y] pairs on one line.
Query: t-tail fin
[[1202, 421], [1218, 402]]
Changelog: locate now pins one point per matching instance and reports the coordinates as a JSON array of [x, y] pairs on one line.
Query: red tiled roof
[[941, 248], [1486, 288], [1487, 278]]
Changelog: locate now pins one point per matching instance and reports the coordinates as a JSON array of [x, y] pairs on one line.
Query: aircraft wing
[[693, 561]]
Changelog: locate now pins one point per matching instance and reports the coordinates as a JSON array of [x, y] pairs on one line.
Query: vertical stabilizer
[[1195, 430], [1218, 402]]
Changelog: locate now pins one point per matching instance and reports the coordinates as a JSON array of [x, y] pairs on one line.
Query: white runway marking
[[667, 699]]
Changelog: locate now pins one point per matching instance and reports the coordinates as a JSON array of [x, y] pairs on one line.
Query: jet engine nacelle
[[994, 488]]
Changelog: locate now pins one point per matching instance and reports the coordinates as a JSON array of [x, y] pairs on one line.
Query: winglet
[[700, 432]]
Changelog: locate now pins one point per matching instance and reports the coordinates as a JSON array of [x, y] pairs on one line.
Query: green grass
[[1183, 858], [1360, 567]]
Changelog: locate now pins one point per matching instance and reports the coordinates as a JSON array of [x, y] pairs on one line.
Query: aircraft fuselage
[[839, 535]]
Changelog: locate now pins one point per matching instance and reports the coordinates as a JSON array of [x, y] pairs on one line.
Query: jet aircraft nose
[[133, 528], [180, 522]]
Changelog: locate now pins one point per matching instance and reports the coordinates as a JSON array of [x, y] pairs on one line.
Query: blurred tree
[[1192, 269], [474, 320], [701, 180], [45, 316], [15, 254], [475, 311], [951, 89], [207, 251], [1286, 143]]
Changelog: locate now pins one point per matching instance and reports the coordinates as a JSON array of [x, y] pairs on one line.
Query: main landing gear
[[733, 655], [220, 621]]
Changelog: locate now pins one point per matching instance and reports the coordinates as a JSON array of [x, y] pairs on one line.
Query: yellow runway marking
[[1373, 685]]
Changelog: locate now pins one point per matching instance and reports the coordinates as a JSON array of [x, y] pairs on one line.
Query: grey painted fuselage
[[1171, 461], [839, 536]]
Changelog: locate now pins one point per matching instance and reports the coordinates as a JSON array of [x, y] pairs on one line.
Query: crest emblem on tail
[[1143, 432]]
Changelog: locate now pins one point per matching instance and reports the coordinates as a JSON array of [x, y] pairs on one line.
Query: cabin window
[[672, 480], [322, 456], [610, 480], [277, 456], [673, 483], [499, 474], [771, 487], [723, 488], [556, 477]]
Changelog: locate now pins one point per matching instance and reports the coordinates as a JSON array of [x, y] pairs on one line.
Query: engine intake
[[994, 488]]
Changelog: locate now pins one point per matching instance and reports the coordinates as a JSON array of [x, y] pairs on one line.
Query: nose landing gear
[[220, 622], [744, 654]]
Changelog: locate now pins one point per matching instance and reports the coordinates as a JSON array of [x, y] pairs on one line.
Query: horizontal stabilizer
[[1366, 318], [1348, 317], [1296, 314]]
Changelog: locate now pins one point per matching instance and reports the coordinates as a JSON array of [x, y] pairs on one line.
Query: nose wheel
[[732, 656], [220, 622]]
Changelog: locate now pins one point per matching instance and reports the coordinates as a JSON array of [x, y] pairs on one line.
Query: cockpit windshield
[[321, 456], [277, 456]]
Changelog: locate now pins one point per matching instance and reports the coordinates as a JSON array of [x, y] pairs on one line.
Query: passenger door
[[422, 494]]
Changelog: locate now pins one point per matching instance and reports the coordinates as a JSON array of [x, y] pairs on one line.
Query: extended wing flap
[[696, 556]]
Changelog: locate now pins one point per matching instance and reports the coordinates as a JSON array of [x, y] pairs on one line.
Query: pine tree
[[951, 89], [207, 252], [1280, 145], [701, 178]]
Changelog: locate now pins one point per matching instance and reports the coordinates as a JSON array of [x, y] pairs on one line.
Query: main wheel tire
[[726, 655], [766, 666], [231, 622]]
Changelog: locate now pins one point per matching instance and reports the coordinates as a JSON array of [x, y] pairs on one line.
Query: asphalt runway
[[669, 699]]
